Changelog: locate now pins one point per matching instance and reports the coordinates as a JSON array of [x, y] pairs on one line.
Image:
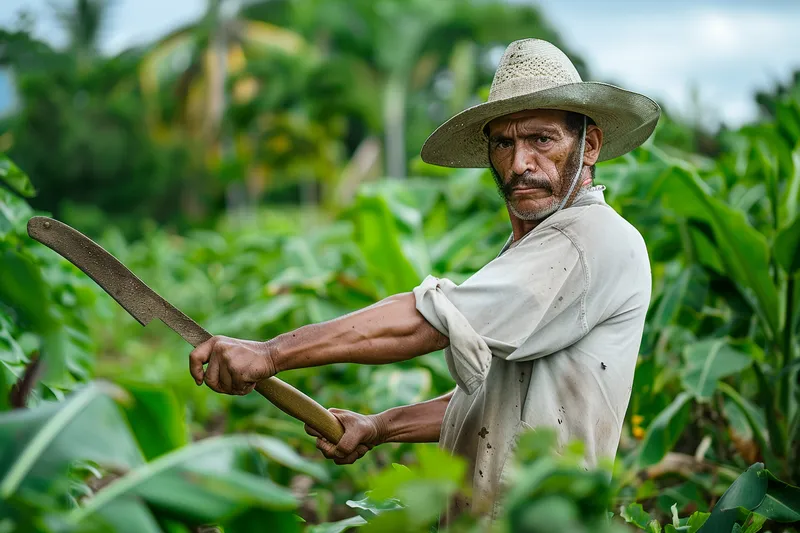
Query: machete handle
[[294, 403]]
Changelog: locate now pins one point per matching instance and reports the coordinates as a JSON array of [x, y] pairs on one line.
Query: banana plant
[[728, 305], [196, 62], [115, 459]]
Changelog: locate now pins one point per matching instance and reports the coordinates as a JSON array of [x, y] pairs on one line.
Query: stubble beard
[[506, 190]]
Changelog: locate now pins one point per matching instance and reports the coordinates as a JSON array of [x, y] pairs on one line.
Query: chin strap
[[580, 168]]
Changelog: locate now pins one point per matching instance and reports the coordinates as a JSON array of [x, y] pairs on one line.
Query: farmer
[[546, 334]]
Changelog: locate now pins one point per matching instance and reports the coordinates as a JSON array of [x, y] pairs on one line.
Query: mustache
[[527, 179]]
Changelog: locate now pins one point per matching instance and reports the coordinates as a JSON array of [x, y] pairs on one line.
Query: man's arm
[[388, 331], [420, 422]]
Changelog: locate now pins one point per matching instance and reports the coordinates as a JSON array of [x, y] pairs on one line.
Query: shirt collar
[[592, 195]]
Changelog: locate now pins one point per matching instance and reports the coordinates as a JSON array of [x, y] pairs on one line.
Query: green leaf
[[156, 417], [11, 175], [374, 507], [634, 513], [394, 387], [455, 239], [791, 199], [683, 291], [39, 443], [782, 501], [338, 527], [742, 249], [707, 362], [201, 482], [247, 321], [23, 288], [426, 487], [754, 523], [654, 526], [674, 512], [128, 517], [10, 350], [14, 213], [253, 519], [664, 430], [787, 247], [696, 521], [684, 494], [753, 416], [380, 240], [705, 250], [747, 491], [737, 421]]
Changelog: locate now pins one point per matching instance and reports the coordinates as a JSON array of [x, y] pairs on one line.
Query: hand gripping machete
[[144, 304]]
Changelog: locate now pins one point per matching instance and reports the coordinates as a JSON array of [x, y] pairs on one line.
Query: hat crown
[[531, 65]]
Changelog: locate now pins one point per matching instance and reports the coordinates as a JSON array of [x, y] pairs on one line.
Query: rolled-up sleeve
[[528, 303], [468, 356]]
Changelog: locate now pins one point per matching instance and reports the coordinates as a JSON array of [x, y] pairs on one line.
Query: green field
[[261, 172]]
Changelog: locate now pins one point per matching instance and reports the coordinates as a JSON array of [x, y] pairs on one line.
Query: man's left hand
[[234, 365]]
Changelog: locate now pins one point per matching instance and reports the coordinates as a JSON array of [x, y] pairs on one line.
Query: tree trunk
[[394, 118]]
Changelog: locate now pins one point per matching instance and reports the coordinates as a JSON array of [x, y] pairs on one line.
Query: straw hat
[[534, 74]]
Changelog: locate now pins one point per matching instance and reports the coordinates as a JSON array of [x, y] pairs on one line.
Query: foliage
[[282, 102], [87, 111], [108, 483], [45, 304], [61, 474], [714, 417]]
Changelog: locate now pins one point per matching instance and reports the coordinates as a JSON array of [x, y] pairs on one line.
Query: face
[[535, 158]]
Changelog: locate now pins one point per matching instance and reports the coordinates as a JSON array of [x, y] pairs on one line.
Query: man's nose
[[522, 161]]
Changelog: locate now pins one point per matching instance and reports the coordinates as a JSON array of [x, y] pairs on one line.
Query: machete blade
[[142, 302]]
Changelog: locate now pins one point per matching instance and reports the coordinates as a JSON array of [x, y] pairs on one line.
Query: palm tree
[[83, 22], [398, 54], [196, 61], [191, 76]]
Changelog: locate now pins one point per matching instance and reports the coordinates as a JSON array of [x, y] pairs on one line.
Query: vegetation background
[[259, 168]]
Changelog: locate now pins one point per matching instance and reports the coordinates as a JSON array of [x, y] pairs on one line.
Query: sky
[[680, 52]]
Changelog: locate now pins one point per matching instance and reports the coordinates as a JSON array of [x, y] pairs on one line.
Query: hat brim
[[626, 118]]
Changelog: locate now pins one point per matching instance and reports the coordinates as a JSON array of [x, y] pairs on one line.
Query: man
[[546, 334]]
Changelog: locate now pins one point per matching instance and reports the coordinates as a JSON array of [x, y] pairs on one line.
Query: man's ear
[[594, 141]]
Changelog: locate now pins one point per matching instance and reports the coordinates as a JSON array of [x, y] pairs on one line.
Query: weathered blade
[[142, 302]]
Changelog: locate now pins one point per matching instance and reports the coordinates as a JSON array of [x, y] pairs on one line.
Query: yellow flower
[[638, 433], [279, 144], [637, 420]]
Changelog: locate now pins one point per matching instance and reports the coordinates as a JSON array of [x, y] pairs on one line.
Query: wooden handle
[[294, 403]]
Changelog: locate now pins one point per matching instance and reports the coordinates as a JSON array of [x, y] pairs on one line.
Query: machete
[[144, 304]]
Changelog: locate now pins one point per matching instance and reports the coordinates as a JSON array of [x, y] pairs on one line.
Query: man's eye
[[543, 139], [504, 144]]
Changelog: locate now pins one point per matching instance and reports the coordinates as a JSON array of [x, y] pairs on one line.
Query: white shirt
[[546, 334]]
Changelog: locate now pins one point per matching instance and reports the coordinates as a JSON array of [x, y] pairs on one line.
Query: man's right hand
[[361, 434]]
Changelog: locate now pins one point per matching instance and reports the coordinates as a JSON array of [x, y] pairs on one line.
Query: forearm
[[420, 422], [389, 331]]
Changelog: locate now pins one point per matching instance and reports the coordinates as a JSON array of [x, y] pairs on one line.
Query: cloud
[[726, 52], [141, 21]]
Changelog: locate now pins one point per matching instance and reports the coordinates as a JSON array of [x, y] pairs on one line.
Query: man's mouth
[[539, 191]]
